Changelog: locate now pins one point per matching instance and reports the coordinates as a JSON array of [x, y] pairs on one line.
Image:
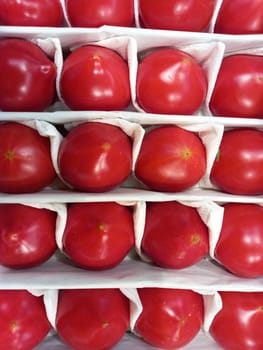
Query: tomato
[[170, 159], [170, 81], [95, 157], [31, 13], [185, 15], [27, 78], [95, 13], [170, 318], [25, 161], [92, 319], [23, 320], [240, 17], [238, 166], [174, 236], [242, 232], [27, 235], [238, 325], [95, 77], [239, 87], [98, 235]]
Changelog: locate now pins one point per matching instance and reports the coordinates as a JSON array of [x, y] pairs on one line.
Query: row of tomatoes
[[233, 17], [95, 77], [98, 156], [97, 319], [100, 235]]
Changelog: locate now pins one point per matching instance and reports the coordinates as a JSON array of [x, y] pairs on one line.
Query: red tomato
[[238, 166], [170, 318], [242, 233], [240, 17], [23, 320], [92, 319], [186, 15], [27, 235], [100, 77], [27, 79], [239, 87], [31, 13], [98, 235], [170, 81], [95, 13], [170, 159], [25, 162], [174, 236], [238, 325], [95, 157]]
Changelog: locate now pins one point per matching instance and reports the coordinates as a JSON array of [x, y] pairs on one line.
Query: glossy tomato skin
[[174, 236], [27, 235], [23, 320], [240, 17], [92, 319], [242, 233], [238, 166], [95, 77], [171, 159], [170, 81], [96, 13], [98, 235], [238, 325], [43, 13], [170, 318], [95, 157], [25, 162], [239, 87], [27, 79], [185, 15]]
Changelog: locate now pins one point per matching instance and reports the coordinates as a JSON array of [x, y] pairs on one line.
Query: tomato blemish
[[105, 324], [102, 227], [13, 326], [9, 155], [195, 239], [186, 154], [106, 146]]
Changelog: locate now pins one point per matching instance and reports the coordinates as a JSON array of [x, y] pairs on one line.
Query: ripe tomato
[[95, 157], [186, 15], [25, 162], [31, 13], [100, 77], [238, 166], [242, 232], [98, 235], [170, 318], [170, 159], [238, 325], [23, 320], [27, 235], [92, 319], [174, 236], [95, 13], [170, 81], [27, 78], [239, 87], [240, 17]]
